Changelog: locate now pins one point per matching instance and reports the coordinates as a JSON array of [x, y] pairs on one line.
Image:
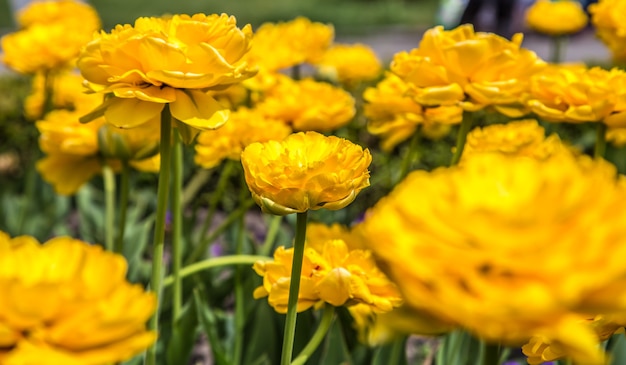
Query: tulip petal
[[199, 110], [129, 113]]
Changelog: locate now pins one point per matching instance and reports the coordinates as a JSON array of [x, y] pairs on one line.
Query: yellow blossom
[[67, 93], [394, 116], [578, 95], [55, 307], [171, 61], [331, 273], [617, 136], [507, 247], [556, 17], [244, 127], [308, 105], [519, 138], [473, 70], [349, 64], [75, 14], [606, 16], [305, 171]]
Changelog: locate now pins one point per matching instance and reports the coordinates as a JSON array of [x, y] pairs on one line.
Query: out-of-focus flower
[[161, 61], [394, 116], [55, 307], [556, 17], [331, 273], [473, 70], [519, 138], [468, 253], [244, 127], [66, 92], [308, 105], [51, 35], [617, 136], [578, 95], [606, 16], [349, 64], [305, 171]]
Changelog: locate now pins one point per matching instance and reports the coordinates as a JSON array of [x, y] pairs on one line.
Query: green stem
[[464, 129], [214, 262], [123, 207], [318, 336], [159, 227], [177, 226], [109, 206], [296, 72], [410, 154], [558, 46], [240, 316], [490, 354], [48, 97], [398, 352], [194, 185], [294, 288], [272, 232], [600, 147]]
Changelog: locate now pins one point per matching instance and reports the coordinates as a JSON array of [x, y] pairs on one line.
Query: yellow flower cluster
[[519, 138], [556, 17], [305, 171], [332, 272], [51, 35], [66, 92], [394, 116], [56, 307], [578, 95], [308, 105], [467, 68], [171, 61], [349, 64], [606, 16], [491, 246], [245, 126]]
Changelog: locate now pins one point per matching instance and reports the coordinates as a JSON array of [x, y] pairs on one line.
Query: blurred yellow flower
[[171, 61], [617, 136], [308, 105], [556, 17], [578, 95], [245, 126], [55, 307], [349, 64], [507, 247], [519, 138], [67, 92], [473, 70], [331, 273], [394, 116], [606, 16], [305, 171], [51, 35]]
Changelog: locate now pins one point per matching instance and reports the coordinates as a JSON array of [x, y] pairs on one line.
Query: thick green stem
[[558, 47], [272, 232], [296, 72], [109, 206], [600, 147], [177, 226], [213, 263], [398, 351], [464, 129], [294, 288], [240, 315], [123, 207], [159, 227], [318, 336], [490, 354], [410, 154], [194, 185]]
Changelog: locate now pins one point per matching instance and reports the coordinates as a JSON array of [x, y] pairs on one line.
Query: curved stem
[[464, 129], [177, 226], [159, 227], [318, 336], [410, 154], [600, 147], [109, 206], [214, 262], [123, 207], [272, 232], [294, 288]]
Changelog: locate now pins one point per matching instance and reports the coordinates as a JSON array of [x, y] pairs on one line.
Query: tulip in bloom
[[607, 18], [162, 61], [468, 253], [349, 64], [56, 308], [305, 171], [556, 17]]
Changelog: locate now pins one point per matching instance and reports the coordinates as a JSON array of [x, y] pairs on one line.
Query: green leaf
[[184, 335], [208, 320]]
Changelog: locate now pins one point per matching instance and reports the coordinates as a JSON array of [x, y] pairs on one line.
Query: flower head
[[171, 61], [349, 64], [556, 17], [305, 171], [606, 16], [331, 273], [56, 309], [506, 247], [308, 105], [467, 68]]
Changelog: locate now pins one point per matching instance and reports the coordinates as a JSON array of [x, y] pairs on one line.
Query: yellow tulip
[[349, 64], [606, 16], [556, 17]]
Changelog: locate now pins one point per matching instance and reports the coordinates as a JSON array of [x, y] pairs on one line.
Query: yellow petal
[[198, 109], [129, 113]]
